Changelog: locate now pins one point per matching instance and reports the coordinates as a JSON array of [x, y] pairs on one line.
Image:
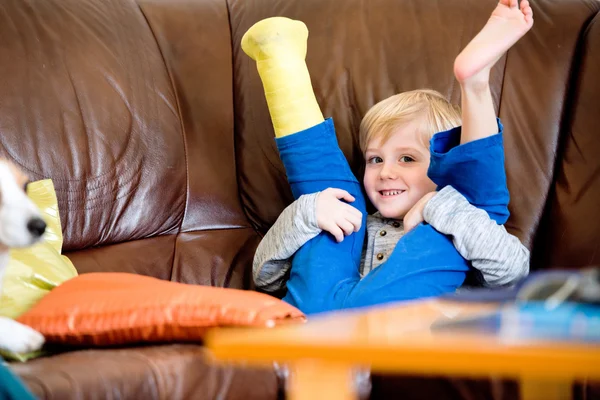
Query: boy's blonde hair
[[429, 107]]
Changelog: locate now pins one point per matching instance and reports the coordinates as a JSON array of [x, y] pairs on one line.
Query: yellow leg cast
[[278, 45]]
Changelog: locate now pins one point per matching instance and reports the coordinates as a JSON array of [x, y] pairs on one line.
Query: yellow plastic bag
[[32, 272]]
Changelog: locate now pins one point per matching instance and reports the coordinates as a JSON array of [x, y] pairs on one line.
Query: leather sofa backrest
[[360, 52], [569, 236], [153, 126]]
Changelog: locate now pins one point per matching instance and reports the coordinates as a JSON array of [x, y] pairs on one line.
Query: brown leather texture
[[85, 83], [153, 126], [570, 233], [154, 373]]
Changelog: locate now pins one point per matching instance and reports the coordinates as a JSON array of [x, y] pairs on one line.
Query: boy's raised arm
[[507, 24]]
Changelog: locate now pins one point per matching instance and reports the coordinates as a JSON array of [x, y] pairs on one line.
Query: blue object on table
[[555, 286], [533, 320], [552, 305], [567, 321]]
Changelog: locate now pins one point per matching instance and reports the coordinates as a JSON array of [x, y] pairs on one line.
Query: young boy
[[497, 257], [465, 161]]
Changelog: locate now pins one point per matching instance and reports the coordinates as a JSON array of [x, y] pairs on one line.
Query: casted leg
[[310, 153]]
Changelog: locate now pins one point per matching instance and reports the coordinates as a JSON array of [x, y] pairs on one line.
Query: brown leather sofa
[[152, 123]]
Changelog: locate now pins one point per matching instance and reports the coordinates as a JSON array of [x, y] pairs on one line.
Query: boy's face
[[396, 172]]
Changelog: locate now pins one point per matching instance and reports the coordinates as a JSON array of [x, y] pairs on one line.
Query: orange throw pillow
[[119, 308]]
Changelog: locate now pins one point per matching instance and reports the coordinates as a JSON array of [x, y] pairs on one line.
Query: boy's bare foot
[[275, 37], [508, 23]]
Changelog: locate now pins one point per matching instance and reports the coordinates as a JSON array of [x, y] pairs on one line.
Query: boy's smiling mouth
[[390, 193]]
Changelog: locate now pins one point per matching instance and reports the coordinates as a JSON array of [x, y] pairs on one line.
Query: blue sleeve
[[475, 169], [424, 263]]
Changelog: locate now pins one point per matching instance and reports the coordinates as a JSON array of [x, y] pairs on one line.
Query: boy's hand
[[336, 217], [414, 216]]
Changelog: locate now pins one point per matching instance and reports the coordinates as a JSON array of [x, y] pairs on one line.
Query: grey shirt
[[498, 257]]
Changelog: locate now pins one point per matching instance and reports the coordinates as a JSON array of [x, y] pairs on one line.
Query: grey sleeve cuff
[[444, 202], [307, 209]]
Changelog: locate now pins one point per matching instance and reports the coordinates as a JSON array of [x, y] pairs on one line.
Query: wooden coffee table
[[324, 352]]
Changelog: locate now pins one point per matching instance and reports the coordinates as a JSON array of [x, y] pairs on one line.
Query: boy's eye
[[406, 159], [374, 160]]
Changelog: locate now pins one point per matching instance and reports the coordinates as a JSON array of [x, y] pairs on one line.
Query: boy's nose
[[388, 172]]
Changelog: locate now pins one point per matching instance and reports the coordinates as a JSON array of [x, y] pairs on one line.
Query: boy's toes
[[528, 14]]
